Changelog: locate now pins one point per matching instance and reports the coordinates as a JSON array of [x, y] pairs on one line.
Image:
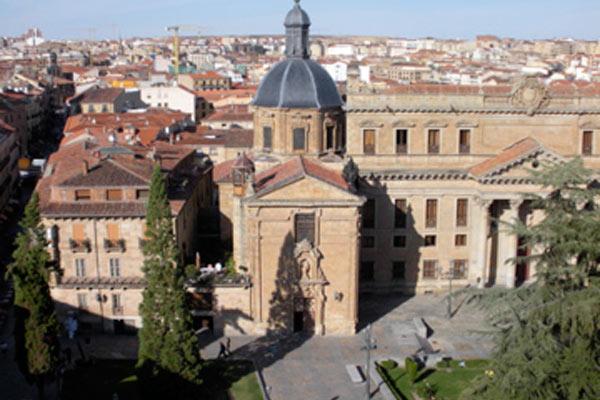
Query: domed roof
[[297, 17], [298, 83]]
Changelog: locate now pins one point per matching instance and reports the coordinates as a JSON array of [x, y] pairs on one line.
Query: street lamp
[[455, 271], [369, 344]]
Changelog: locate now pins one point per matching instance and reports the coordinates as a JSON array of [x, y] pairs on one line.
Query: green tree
[[36, 326], [548, 342], [169, 356]]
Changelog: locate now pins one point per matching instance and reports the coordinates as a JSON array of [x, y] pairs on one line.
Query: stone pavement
[[314, 368]]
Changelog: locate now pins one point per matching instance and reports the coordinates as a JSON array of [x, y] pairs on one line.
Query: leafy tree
[[548, 343], [169, 356], [36, 325]]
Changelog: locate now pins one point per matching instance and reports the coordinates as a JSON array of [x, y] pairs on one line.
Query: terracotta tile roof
[[222, 171], [509, 154], [230, 116], [94, 209], [108, 95], [239, 138], [296, 168], [106, 173]]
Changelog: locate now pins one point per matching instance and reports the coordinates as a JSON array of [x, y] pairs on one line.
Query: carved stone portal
[[311, 286]]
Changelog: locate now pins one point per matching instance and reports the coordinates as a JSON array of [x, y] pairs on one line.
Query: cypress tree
[[168, 357], [36, 326], [548, 342]]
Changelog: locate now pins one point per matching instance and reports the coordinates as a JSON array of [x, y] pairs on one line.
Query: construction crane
[[175, 29]]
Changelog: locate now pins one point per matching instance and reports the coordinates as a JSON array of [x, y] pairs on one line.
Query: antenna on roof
[[112, 138]]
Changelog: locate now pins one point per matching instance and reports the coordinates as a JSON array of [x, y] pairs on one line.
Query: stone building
[[398, 191], [93, 204]]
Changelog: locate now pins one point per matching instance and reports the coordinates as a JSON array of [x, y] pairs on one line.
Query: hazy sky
[[400, 18]]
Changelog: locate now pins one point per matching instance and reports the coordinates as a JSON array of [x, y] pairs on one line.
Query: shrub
[[388, 364], [427, 391], [412, 369]]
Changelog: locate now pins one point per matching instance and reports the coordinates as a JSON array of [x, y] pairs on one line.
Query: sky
[[526, 19]]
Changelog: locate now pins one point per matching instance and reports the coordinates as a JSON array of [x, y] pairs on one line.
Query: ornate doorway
[[309, 302]]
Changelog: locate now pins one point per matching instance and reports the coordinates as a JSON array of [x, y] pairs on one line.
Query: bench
[[355, 373]]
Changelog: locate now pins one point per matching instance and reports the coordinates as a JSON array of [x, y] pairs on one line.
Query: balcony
[[80, 246], [117, 310], [114, 246]]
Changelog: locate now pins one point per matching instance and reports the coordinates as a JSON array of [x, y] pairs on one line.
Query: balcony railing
[[117, 310], [80, 246], [114, 246]]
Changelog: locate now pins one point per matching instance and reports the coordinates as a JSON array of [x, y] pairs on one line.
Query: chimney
[[85, 167]]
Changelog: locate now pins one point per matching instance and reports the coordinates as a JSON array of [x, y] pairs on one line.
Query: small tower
[[297, 25], [242, 174]]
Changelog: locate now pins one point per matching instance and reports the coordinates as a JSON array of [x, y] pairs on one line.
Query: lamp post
[[455, 271], [369, 344]]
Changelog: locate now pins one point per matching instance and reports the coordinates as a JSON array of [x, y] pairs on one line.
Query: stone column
[[507, 246], [477, 241]]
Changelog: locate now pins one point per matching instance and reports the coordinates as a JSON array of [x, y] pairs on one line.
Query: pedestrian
[[228, 346], [222, 351]]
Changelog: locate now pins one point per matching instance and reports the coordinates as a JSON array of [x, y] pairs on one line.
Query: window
[[116, 304], [115, 267], [369, 141], [142, 194], [464, 141], [104, 108], [267, 138], [430, 240], [400, 241], [459, 269], [433, 141], [587, 140], [78, 232], [304, 227], [114, 195], [368, 242], [368, 218], [299, 139], [460, 240], [400, 213], [80, 267], [398, 270], [82, 301], [112, 232], [83, 195], [401, 141], [90, 109], [462, 209], [429, 269], [367, 271], [431, 213], [329, 134]]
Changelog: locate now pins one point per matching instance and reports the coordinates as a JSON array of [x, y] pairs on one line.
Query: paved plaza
[[301, 367]]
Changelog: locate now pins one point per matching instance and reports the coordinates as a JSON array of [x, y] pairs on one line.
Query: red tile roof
[[296, 168], [509, 154]]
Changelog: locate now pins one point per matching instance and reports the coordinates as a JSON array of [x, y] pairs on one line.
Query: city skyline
[[64, 19]]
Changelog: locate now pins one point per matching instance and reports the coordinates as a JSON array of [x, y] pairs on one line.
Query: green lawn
[[450, 381], [99, 381]]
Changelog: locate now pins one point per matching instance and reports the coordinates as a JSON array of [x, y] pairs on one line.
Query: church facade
[[393, 191]]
